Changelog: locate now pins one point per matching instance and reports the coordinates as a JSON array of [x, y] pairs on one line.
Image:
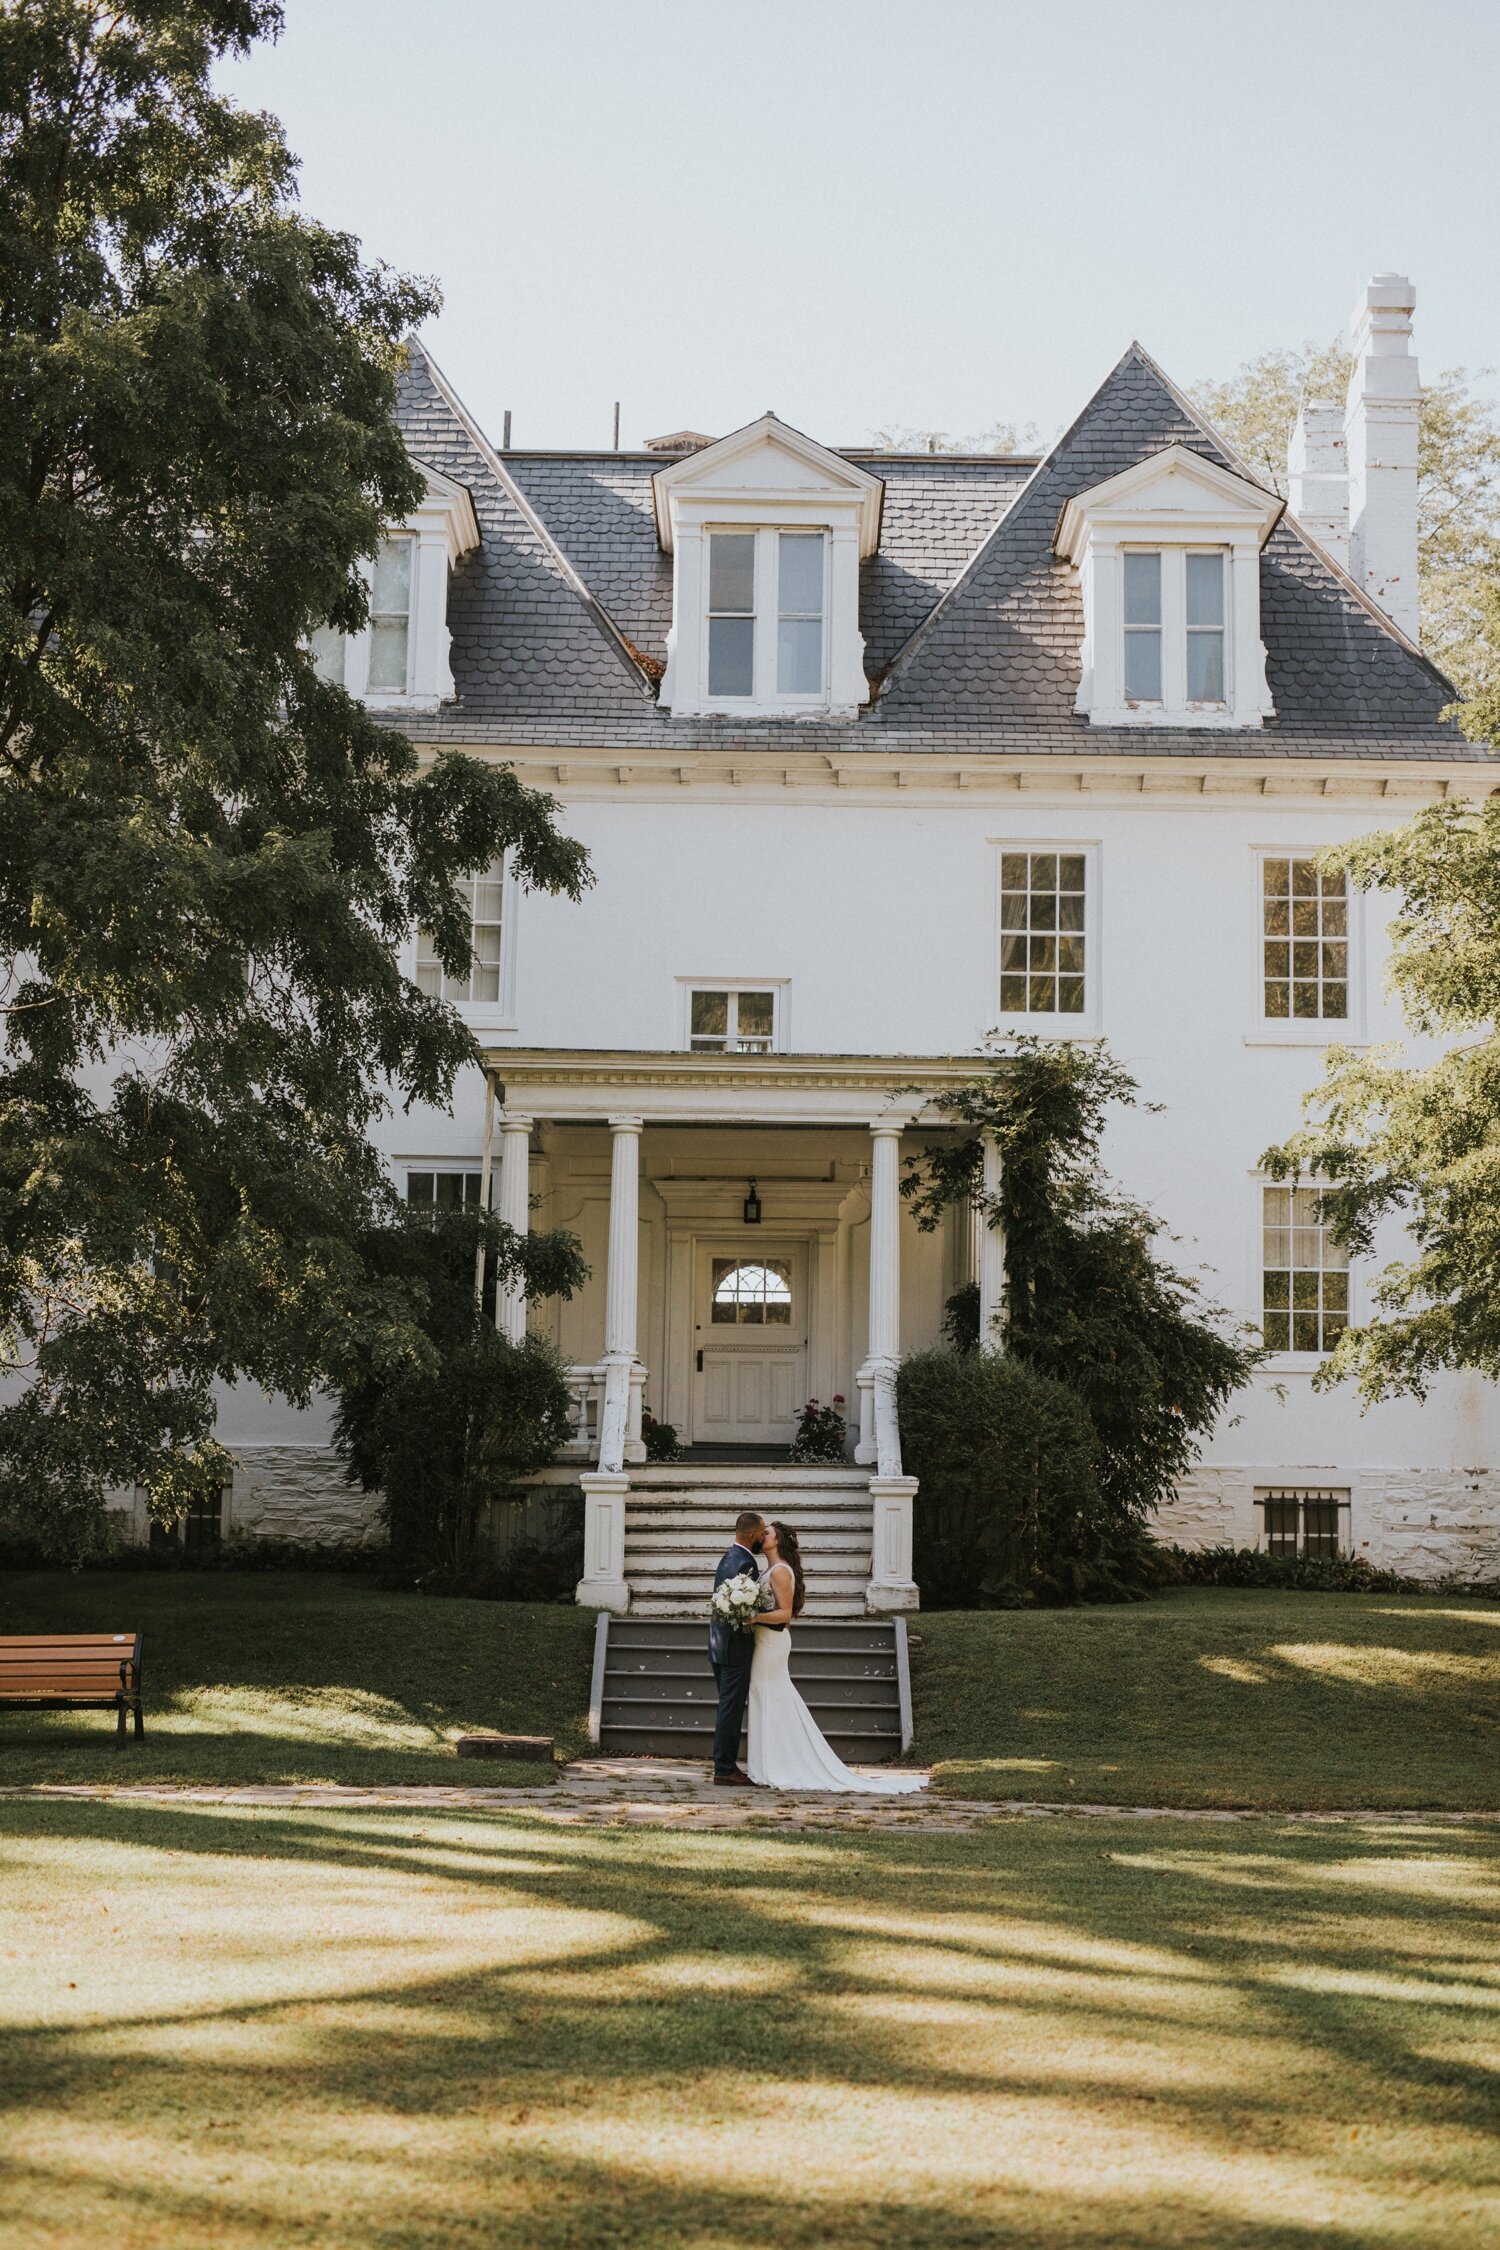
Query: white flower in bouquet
[[735, 1603]]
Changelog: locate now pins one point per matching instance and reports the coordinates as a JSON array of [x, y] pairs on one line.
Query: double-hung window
[[1304, 1275], [767, 603], [1305, 941], [484, 896], [1046, 941], [378, 661], [1173, 622], [444, 1191], [733, 1022]]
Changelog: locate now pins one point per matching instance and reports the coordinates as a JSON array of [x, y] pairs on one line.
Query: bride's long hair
[[788, 1551]]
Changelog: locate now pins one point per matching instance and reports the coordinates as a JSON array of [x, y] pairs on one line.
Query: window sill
[[1213, 715], [1041, 1027], [1293, 1363], [1305, 1035], [484, 1015]]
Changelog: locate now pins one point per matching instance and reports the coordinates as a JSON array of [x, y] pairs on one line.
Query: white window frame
[[1291, 1362], [765, 695], [1293, 1031], [1009, 1022], [1173, 503], [445, 1167], [778, 987], [443, 528], [488, 1015]]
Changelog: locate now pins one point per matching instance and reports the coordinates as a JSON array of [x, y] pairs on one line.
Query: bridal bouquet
[[736, 1602]]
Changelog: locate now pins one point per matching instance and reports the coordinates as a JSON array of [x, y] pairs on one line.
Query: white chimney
[[1380, 428], [1317, 467]]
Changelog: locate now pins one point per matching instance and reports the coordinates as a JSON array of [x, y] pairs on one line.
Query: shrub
[[1307, 1574], [659, 1439], [1009, 1507], [821, 1432]]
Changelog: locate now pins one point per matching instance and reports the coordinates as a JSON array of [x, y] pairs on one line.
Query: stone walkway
[[677, 1793]]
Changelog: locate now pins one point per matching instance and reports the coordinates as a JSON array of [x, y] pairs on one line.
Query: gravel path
[[676, 1793]]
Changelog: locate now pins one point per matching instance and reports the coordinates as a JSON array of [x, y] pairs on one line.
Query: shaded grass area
[[1211, 1697], [300, 1677], [226, 2028]]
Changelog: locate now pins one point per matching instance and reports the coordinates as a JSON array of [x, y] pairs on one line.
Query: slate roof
[[972, 625]]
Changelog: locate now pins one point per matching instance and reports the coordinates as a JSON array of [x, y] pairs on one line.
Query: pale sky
[[935, 213]]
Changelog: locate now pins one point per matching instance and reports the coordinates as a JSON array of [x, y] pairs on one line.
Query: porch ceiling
[[595, 1084]]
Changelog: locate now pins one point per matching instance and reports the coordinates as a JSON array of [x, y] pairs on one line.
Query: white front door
[[750, 1344]]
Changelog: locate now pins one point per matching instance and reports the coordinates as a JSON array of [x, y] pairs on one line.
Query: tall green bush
[[1090, 1300], [1008, 1504], [443, 1432]]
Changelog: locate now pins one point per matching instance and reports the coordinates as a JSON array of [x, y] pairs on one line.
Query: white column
[[991, 1275], [622, 1277], [884, 1344], [603, 1584], [514, 1209]]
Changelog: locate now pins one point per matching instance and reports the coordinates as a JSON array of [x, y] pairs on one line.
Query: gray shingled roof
[[972, 626]]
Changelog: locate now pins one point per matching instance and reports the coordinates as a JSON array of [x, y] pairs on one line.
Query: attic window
[[1168, 561], [401, 656], [755, 577]]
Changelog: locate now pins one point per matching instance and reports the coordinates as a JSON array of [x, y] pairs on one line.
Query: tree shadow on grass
[[454, 2029]]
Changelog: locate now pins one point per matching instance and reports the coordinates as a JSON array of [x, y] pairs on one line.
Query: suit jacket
[[724, 1644]]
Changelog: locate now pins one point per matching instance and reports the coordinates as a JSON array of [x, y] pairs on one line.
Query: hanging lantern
[[752, 1207]]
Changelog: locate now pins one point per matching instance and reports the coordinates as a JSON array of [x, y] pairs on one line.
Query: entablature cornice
[[593, 1085], [939, 775]]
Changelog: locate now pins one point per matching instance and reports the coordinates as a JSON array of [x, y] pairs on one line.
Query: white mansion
[[877, 755]]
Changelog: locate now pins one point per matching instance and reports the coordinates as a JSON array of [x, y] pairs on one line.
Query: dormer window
[[1172, 603], [1168, 558], [755, 576], [767, 531], [401, 657]]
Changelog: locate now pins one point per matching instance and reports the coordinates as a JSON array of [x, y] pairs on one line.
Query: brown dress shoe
[[736, 1780]]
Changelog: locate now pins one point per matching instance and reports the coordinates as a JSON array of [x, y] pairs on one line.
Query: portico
[[750, 1249]]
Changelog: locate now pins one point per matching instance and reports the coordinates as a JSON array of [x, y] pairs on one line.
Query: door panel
[[750, 1344]]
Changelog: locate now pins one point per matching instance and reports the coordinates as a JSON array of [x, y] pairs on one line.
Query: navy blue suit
[[730, 1653]]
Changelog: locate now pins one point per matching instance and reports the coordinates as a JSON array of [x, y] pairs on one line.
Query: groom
[[730, 1652]]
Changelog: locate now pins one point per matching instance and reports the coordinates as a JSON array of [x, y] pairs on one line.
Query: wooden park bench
[[74, 1672]]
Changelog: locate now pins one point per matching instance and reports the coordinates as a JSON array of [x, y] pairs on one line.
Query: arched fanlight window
[[751, 1293]]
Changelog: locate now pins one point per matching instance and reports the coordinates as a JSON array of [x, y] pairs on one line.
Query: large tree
[[1458, 488], [1419, 1142], [208, 856]]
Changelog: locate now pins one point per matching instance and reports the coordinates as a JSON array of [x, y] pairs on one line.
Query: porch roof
[[595, 1084]]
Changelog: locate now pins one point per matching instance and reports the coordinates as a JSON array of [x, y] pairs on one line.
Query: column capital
[[889, 1127], [627, 1124], [509, 1122]]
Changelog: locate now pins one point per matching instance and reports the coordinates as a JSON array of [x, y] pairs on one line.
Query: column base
[[891, 1586], [602, 1585]]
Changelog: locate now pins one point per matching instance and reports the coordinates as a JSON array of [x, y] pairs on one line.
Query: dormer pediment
[[1173, 495], [768, 467]]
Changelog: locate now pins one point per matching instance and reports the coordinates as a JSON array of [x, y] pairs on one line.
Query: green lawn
[[222, 2027], [299, 1677], [1209, 1697]]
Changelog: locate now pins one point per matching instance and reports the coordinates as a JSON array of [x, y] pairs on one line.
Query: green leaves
[[208, 856], [1420, 1143]]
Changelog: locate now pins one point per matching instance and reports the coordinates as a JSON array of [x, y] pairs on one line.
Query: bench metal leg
[[119, 1722], [140, 1724]]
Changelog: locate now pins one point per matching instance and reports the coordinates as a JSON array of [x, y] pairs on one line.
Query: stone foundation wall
[[298, 1492], [1424, 1523]]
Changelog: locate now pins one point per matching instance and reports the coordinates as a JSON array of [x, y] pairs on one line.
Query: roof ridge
[[629, 656]]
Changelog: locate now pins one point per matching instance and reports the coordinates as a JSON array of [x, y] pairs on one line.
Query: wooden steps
[[654, 1688]]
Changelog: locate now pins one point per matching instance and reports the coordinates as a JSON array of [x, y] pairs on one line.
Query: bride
[[787, 1751]]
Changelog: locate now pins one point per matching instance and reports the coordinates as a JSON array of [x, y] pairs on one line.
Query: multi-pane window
[[484, 896], [1205, 628], [751, 1293], [1043, 964], [1142, 627], [799, 603], [1306, 939], [1305, 1288], [777, 575], [201, 1524], [390, 616], [445, 1191], [1173, 615], [1304, 1520], [732, 1023], [327, 646]]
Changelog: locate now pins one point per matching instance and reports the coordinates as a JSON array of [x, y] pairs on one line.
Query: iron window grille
[[1305, 1520]]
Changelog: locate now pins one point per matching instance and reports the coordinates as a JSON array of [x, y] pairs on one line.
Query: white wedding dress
[[786, 1748]]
